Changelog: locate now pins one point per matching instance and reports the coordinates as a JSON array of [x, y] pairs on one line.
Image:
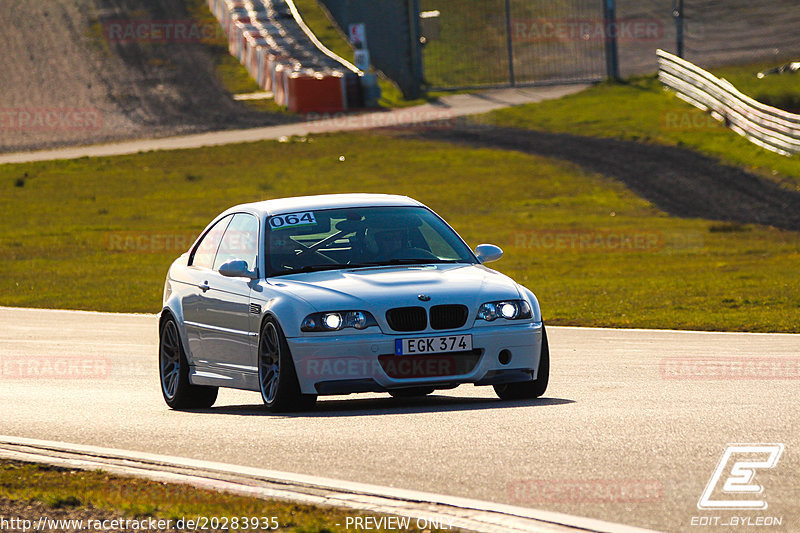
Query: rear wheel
[[411, 392], [173, 368], [529, 389], [277, 377]]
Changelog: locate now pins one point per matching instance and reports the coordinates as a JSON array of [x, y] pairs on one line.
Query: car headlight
[[337, 320], [508, 309]]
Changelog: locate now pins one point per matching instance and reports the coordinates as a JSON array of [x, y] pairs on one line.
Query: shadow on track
[[386, 406]]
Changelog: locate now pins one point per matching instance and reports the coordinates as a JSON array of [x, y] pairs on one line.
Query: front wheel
[[173, 369], [529, 389], [277, 377]]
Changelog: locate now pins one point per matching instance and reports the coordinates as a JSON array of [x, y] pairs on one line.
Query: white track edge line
[[343, 489]]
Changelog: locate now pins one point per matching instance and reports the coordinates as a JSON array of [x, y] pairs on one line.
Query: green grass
[[324, 28], [781, 91], [77, 492], [640, 109], [60, 218]]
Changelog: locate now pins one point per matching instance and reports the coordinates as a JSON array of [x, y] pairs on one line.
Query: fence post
[[612, 54], [677, 13], [510, 45], [415, 49]]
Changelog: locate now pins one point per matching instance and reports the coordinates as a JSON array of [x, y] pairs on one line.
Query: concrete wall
[[389, 26]]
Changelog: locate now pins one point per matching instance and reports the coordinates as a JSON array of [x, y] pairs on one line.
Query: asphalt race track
[[630, 431]]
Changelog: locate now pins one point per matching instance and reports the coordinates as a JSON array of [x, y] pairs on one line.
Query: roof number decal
[[293, 219]]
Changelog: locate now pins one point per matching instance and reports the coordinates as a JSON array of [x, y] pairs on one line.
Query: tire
[[529, 389], [173, 370], [277, 377], [411, 392]]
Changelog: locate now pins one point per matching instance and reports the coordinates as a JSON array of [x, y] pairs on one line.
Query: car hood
[[380, 288]]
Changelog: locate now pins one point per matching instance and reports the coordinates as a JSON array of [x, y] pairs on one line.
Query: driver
[[283, 252], [391, 242]]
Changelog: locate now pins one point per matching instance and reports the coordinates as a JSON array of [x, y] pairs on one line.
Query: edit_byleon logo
[[733, 484]]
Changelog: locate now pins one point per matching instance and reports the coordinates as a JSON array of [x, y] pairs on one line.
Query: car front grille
[[448, 316], [407, 318], [416, 318]]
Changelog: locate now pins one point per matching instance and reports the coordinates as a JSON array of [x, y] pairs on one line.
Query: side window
[[203, 255], [239, 242]]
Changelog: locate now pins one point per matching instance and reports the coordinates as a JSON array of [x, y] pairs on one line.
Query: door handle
[[204, 287]]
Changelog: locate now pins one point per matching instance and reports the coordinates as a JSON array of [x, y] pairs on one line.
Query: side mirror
[[236, 269], [488, 252]]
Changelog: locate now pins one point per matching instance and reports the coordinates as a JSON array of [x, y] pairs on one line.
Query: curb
[[473, 515]]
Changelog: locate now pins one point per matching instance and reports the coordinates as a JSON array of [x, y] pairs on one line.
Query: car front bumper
[[365, 361]]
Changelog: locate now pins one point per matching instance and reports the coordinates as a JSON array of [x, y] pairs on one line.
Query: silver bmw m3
[[338, 294]]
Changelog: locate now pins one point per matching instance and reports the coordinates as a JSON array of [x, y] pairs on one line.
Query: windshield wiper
[[311, 268], [390, 262]]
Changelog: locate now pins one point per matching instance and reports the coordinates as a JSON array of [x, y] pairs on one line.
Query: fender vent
[[255, 309]]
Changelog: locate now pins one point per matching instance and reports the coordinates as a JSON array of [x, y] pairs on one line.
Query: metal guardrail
[[321, 47], [766, 126]]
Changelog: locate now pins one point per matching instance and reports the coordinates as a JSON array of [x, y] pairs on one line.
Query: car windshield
[[360, 237]]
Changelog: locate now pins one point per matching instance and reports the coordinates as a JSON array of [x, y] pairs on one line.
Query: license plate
[[425, 345]]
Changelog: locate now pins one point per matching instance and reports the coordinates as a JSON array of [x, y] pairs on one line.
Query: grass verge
[[30, 491], [640, 109], [232, 74], [100, 233]]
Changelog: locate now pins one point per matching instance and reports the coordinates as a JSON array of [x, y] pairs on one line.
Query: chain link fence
[[475, 43], [716, 32], [472, 43]]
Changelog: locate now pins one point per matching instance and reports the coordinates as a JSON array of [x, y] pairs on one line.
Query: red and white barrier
[[251, 41], [262, 47], [280, 79], [322, 92], [227, 13], [266, 59]]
